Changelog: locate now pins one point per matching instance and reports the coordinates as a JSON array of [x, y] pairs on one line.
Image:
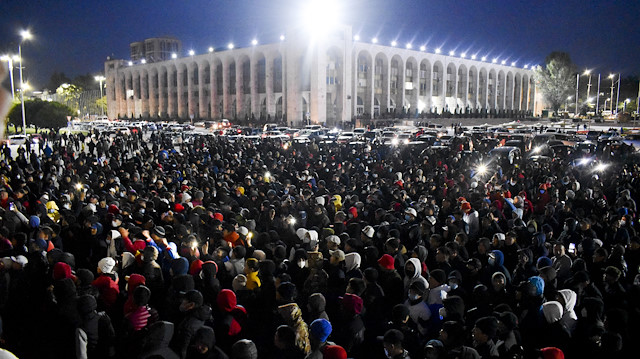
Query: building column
[[191, 100], [202, 87], [465, 98], [371, 89], [255, 96], [213, 74], [171, 88], [226, 94], [240, 89], [182, 102], [153, 94], [162, 101], [144, 95], [511, 90], [129, 93], [269, 82]]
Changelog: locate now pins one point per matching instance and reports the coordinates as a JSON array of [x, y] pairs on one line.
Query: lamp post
[[618, 95], [611, 98], [624, 108], [100, 78], [588, 72], [566, 103], [9, 59], [577, 85], [26, 35], [598, 96]]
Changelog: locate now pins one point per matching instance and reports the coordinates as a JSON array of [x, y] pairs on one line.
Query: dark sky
[[75, 37]]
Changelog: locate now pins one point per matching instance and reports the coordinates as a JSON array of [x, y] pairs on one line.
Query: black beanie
[[488, 325]]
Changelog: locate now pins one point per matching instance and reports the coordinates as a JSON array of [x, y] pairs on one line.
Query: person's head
[[498, 281], [284, 338], [484, 330], [204, 340], [244, 349], [611, 275], [416, 290], [600, 255], [392, 343], [319, 331], [558, 249], [191, 300], [443, 254], [141, 296], [433, 349], [452, 334], [437, 277]]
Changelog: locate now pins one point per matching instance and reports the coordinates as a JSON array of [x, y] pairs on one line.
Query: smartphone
[[572, 248], [12, 206]]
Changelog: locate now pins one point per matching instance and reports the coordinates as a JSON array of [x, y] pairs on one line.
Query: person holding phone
[[561, 261]]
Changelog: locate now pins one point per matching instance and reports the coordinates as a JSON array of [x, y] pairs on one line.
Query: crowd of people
[[134, 247]]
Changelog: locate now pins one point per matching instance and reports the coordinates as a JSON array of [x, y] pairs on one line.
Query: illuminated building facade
[[327, 80]]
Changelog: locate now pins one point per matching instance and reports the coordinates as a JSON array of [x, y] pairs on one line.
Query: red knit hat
[[218, 216], [113, 209], [334, 352], [179, 207], [552, 353], [465, 206], [196, 267], [386, 262], [62, 270]]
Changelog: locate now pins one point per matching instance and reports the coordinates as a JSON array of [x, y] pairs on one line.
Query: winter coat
[[156, 342], [193, 321]]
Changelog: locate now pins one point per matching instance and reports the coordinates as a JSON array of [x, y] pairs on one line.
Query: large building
[[328, 80], [155, 49]]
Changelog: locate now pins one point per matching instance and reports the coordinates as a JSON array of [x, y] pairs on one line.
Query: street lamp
[[566, 103], [588, 72], [100, 78], [26, 35], [9, 59], [624, 108]]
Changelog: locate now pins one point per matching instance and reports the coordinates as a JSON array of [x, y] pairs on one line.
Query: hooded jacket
[[569, 317], [415, 276], [292, 315], [316, 305], [352, 263], [156, 342], [193, 321]]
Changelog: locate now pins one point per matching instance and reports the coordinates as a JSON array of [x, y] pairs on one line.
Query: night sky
[[75, 37]]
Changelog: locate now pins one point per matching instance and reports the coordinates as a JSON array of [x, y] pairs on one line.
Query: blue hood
[[539, 283], [499, 257]]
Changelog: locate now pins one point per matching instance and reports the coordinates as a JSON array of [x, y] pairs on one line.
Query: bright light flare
[[584, 161], [231, 46], [210, 49], [374, 40], [79, 186], [174, 55], [26, 35], [320, 16], [254, 42], [537, 149], [481, 169], [191, 52], [423, 48], [395, 142], [267, 175], [601, 167]]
